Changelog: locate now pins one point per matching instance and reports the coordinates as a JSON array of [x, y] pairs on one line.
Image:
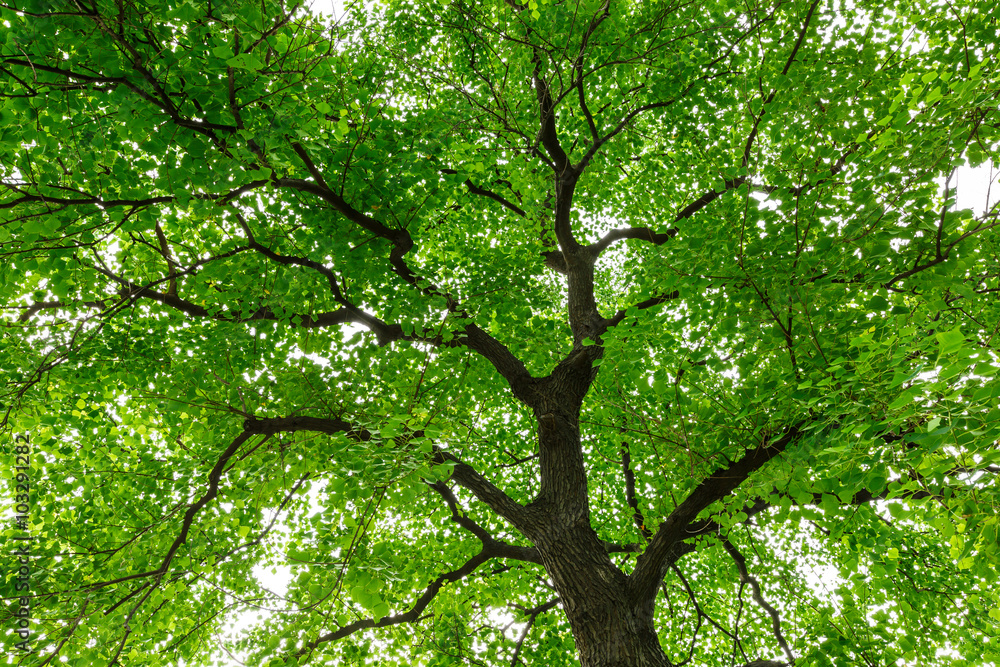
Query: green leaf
[[950, 341], [878, 303]]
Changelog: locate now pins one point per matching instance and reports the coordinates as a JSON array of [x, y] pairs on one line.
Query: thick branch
[[467, 476], [384, 332], [399, 237], [477, 340], [168, 258], [630, 496], [547, 134], [498, 547], [462, 473], [512, 369], [648, 570], [640, 233], [328, 425]]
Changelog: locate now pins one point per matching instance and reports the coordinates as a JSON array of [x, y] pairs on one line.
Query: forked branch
[[747, 578], [413, 614]]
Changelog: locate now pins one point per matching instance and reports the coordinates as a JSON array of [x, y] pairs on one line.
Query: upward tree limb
[[645, 579], [399, 237], [630, 497], [707, 198], [599, 16], [547, 133], [507, 364], [584, 320], [710, 196]]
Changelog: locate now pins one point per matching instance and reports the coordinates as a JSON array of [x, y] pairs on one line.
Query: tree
[[627, 333]]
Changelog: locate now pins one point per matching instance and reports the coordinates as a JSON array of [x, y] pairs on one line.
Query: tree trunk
[[619, 639], [609, 629]]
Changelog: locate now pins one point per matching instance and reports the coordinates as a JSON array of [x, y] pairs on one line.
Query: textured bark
[[620, 639], [609, 630]]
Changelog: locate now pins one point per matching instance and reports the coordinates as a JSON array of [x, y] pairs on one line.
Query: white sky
[[978, 188]]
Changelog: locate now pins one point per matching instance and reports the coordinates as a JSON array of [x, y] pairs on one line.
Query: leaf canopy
[[289, 295]]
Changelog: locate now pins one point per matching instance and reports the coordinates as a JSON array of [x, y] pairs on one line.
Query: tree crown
[[492, 325]]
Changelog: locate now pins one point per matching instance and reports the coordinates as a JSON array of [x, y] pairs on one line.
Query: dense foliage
[[601, 333]]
